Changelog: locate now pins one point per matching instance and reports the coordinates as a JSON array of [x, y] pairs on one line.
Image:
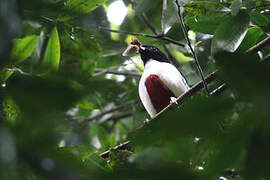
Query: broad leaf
[[23, 48], [52, 55], [259, 19], [252, 37], [205, 24], [206, 8], [230, 33], [74, 8], [236, 7]]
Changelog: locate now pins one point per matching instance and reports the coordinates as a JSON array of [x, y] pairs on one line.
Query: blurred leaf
[[82, 152], [230, 33], [258, 18], [236, 7], [246, 70], [4, 75], [206, 8], [176, 32], [23, 48], [205, 24], [98, 131], [146, 5], [170, 15], [252, 37], [177, 122], [180, 57], [74, 8], [98, 161], [10, 26], [52, 55]]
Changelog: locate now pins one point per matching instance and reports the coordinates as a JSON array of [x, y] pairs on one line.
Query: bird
[[161, 82]]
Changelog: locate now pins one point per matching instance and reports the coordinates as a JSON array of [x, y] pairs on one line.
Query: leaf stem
[[161, 37], [189, 44]]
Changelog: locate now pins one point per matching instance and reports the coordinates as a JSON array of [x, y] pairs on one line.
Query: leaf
[[23, 48], [236, 7], [205, 24], [180, 57], [230, 33], [52, 55], [74, 8], [252, 37], [259, 19], [206, 8]]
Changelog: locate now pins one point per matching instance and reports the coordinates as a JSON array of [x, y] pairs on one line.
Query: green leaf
[[52, 55], [206, 8], [236, 7], [230, 33], [205, 24], [252, 37], [180, 57], [74, 8], [259, 19], [23, 48]]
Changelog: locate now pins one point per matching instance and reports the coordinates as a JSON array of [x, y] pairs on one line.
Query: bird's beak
[[131, 50]]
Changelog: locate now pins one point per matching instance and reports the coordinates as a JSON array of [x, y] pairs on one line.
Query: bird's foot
[[146, 121], [173, 101]]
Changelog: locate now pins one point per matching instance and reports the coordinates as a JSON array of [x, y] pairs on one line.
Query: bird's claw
[[173, 101], [146, 121]]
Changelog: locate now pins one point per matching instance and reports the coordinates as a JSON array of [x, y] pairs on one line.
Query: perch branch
[[144, 35], [219, 90], [259, 46], [122, 146], [190, 46], [195, 88]]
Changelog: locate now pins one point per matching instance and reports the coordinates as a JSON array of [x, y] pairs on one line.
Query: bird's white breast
[[168, 74]]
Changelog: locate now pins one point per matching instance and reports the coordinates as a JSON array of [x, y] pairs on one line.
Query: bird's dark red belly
[[158, 92]]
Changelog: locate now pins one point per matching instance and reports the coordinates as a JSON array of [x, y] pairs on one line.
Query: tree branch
[[195, 88], [219, 90], [164, 9], [122, 146], [144, 35], [259, 46], [189, 44], [151, 27], [82, 120], [147, 22], [99, 71]]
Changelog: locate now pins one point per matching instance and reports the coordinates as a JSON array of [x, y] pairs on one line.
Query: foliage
[[63, 102]]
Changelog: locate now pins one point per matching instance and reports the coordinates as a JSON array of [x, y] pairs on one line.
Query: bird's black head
[[150, 52]]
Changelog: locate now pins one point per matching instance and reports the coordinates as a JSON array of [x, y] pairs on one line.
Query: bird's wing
[[173, 79], [145, 97]]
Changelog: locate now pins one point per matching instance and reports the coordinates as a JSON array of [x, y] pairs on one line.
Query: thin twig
[[259, 45], [164, 9], [267, 57], [151, 27], [82, 120], [219, 90], [122, 146], [147, 22], [195, 88], [189, 44], [144, 35], [99, 71]]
